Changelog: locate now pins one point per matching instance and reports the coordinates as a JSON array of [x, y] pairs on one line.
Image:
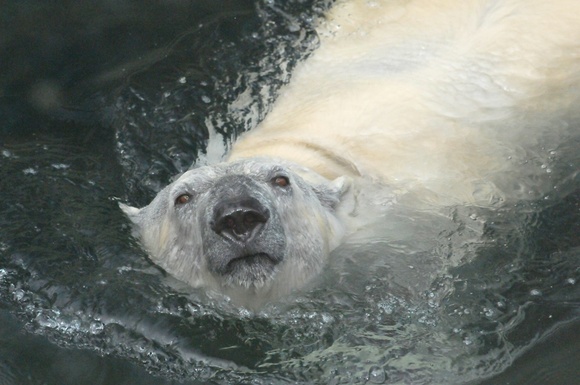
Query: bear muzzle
[[244, 240]]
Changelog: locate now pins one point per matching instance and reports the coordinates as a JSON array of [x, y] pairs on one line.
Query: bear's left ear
[[131, 212], [330, 194]]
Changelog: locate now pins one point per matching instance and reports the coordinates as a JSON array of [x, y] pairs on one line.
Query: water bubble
[[60, 166], [18, 295], [293, 27], [182, 80], [535, 292], [327, 318], [73, 324], [206, 99], [377, 375], [123, 269], [467, 341], [571, 281], [386, 307], [30, 171], [45, 320]]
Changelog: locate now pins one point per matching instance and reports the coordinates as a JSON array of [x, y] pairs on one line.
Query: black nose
[[240, 220]]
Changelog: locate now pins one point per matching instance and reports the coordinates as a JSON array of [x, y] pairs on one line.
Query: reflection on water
[[447, 298]]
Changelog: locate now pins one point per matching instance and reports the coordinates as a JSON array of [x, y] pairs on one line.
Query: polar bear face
[[254, 225]]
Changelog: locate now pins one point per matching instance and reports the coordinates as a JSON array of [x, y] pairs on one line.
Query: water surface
[[111, 104]]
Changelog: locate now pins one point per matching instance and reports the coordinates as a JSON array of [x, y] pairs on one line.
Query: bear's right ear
[[131, 212], [330, 194]]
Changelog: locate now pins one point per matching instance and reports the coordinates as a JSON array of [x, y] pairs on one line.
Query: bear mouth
[[257, 259], [251, 269]]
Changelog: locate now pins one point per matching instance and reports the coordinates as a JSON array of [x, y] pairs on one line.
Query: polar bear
[[434, 102]]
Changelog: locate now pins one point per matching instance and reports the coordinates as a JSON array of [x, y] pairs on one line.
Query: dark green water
[[105, 101]]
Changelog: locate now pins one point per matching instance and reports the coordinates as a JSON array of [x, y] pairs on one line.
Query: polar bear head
[[255, 227]]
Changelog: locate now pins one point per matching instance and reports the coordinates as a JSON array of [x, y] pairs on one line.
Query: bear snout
[[239, 220]]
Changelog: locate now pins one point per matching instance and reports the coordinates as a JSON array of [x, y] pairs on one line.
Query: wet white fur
[[443, 98]]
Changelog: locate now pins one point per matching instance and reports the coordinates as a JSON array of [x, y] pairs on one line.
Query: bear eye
[[281, 181], [182, 199]]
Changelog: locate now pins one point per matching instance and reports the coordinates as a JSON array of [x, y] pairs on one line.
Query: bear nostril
[[239, 223]]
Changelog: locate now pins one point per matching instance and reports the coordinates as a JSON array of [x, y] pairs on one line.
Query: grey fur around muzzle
[[243, 236]]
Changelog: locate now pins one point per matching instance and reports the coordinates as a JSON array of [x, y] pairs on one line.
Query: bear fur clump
[[438, 103]]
